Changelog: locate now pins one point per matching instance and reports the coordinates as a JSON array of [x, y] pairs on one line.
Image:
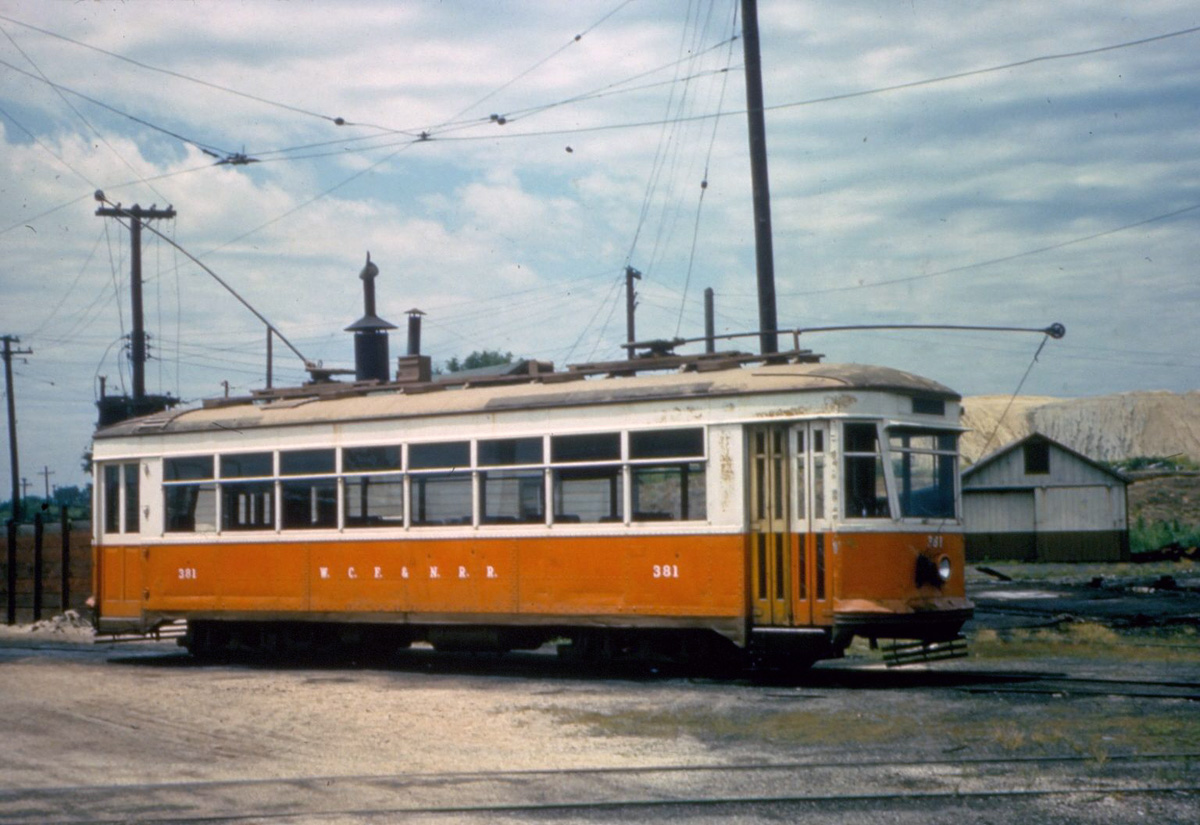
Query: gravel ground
[[140, 732]]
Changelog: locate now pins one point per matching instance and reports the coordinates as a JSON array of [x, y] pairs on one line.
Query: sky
[[969, 163]]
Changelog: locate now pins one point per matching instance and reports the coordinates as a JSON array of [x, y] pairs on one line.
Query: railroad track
[[1074, 686], [622, 793]]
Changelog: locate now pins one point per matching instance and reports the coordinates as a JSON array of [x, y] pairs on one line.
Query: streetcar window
[[308, 504], [121, 501], [132, 522], [687, 443], [306, 462], [505, 452], [588, 494], [865, 485], [673, 492], [375, 501], [247, 465], [189, 468], [112, 498], [447, 455], [370, 459], [190, 508], [512, 497], [441, 498], [189, 495], [925, 465], [248, 505], [928, 406], [590, 447]]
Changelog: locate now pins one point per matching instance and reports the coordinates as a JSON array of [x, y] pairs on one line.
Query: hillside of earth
[[1104, 428]]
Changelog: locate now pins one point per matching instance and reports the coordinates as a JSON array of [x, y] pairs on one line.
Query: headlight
[[944, 568]]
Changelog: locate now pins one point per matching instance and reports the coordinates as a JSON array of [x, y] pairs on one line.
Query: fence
[[47, 569]]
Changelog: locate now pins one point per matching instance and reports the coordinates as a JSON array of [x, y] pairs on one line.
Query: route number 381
[[666, 571]]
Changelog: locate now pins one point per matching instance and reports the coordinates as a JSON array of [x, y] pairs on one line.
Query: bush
[[1158, 534]]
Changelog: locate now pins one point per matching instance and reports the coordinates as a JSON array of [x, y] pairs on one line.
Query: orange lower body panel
[[681, 576]]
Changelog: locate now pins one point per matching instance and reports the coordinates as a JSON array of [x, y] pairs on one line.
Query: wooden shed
[[1038, 500]]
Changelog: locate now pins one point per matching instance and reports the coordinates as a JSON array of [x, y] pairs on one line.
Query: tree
[[479, 358]]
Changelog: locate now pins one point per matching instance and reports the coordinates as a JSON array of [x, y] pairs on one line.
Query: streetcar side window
[[865, 485], [664, 490], [608, 477], [121, 498], [373, 487], [440, 483], [190, 494], [925, 466], [112, 498], [671, 492], [588, 494], [512, 496], [512, 482], [246, 504], [441, 498], [311, 502]]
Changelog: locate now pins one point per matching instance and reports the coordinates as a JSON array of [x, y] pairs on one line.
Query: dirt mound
[[1104, 428]]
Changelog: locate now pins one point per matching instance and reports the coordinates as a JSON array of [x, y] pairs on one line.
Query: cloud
[[918, 205]]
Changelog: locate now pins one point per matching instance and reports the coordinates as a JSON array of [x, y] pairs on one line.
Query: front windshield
[[925, 465]]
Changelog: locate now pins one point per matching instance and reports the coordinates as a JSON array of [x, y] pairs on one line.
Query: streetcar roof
[[393, 402]]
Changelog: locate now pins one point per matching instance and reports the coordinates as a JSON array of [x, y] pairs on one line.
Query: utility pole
[[710, 324], [137, 337], [14, 463], [46, 473], [630, 305], [763, 251]]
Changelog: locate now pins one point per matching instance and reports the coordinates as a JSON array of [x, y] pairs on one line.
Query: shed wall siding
[[1065, 469]]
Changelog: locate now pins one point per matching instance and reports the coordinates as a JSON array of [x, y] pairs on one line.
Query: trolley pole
[[14, 463], [137, 336]]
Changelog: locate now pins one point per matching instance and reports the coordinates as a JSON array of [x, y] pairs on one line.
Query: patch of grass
[[779, 727], [1086, 726], [1077, 573], [1059, 729], [1090, 640]]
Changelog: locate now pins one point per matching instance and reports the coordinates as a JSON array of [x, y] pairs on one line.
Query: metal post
[[763, 252], [270, 355], [39, 532], [12, 571], [630, 306], [14, 464], [65, 568], [710, 326]]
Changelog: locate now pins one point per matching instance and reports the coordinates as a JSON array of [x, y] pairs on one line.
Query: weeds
[[1090, 640]]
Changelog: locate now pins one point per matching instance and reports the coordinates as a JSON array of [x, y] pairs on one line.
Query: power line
[[78, 114], [337, 120], [58, 87], [992, 261]]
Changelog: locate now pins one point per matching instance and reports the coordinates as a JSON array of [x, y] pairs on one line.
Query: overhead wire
[[58, 87], [77, 113], [992, 261], [175, 74], [704, 184]]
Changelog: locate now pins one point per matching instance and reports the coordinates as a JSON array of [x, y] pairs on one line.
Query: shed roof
[[997, 455]]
